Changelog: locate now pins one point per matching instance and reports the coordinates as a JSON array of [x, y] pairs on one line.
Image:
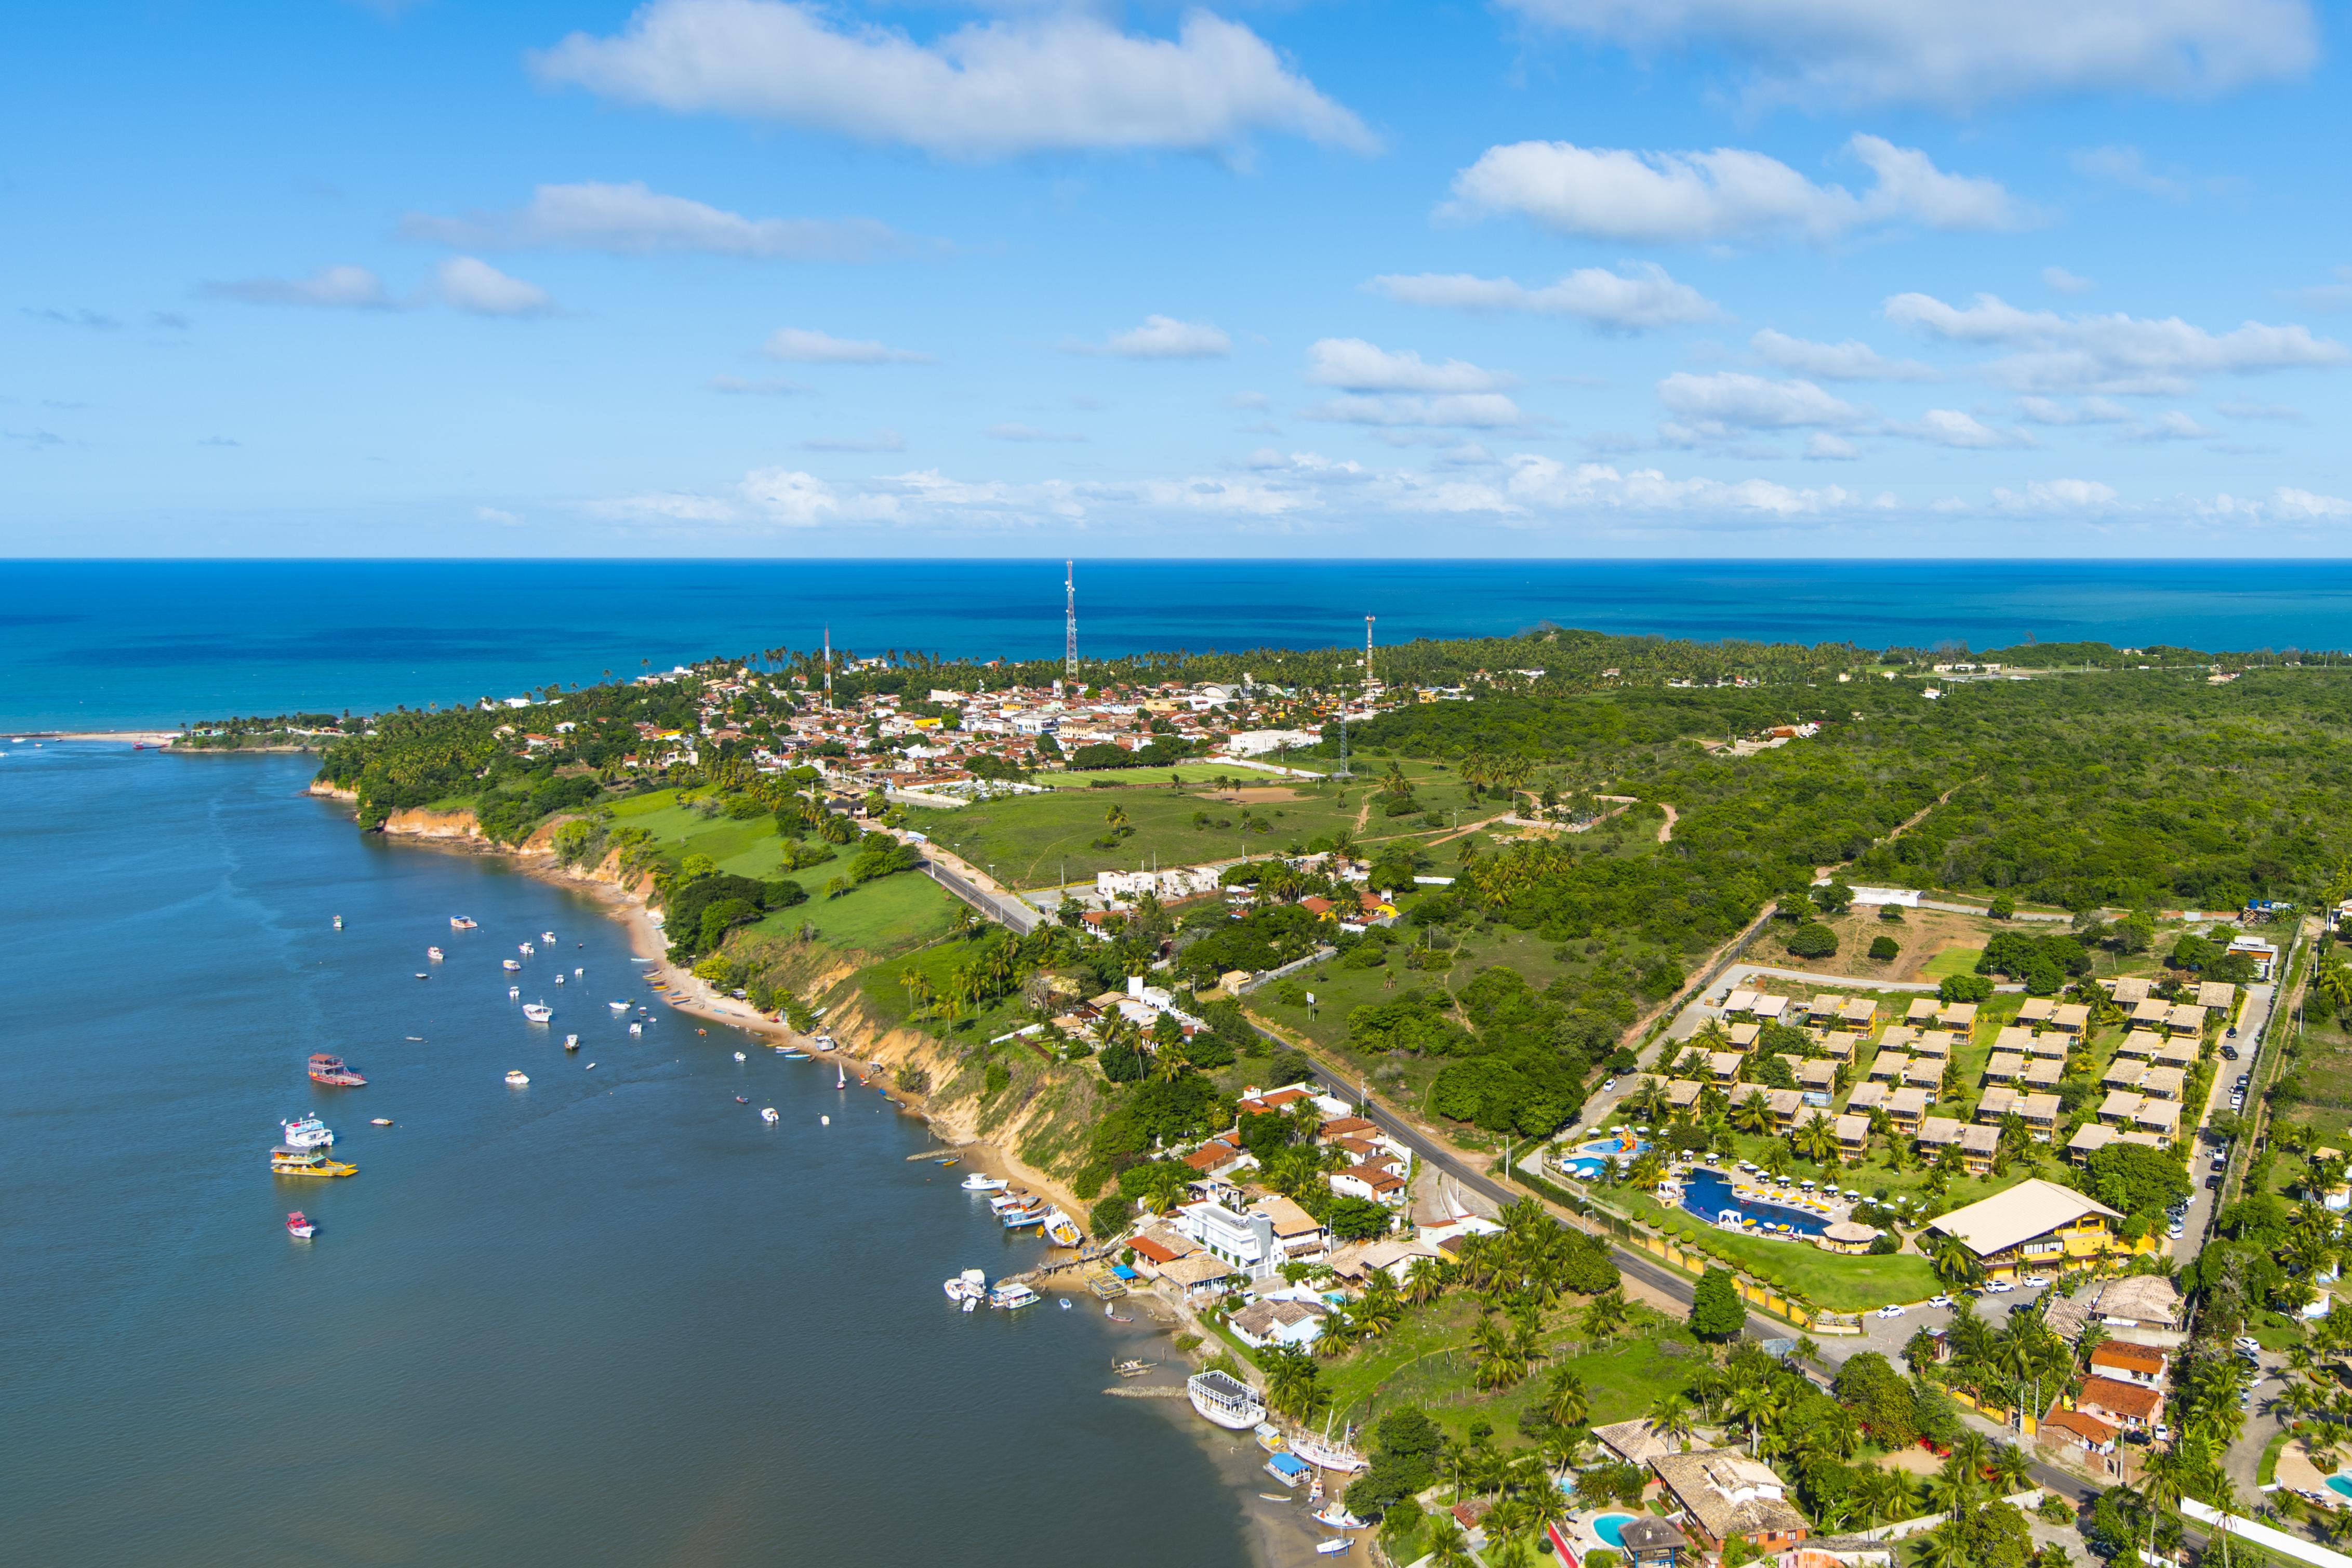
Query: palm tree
[[1648, 1101], [1564, 1399], [1424, 1282], [2162, 1480], [1670, 1417], [1954, 1262], [1816, 1140], [1753, 1114], [1606, 1314], [1496, 1351], [1946, 1546], [1447, 1546], [1882, 1494], [1757, 1407]]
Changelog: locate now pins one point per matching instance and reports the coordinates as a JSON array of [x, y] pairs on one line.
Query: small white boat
[[558, 977], [547, 936], [538, 1012], [618, 1007], [422, 975], [306, 1132], [1005, 1202], [379, 1122], [517, 1078], [338, 922], [738, 1056], [970, 1284], [525, 949], [570, 1042], [1012, 1296], [1334, 1547], [513, 992], [1062, 1230], [459, 922], [590, 1067], [839, 1079], [433, 954], [1336, 1516], [768, 1114], [1065, 1303], [977, 1183], [577, 971], [636, 1028], [511, 965]]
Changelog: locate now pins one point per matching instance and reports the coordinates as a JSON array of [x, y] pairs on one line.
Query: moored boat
[[306, 1132], [1334, 1547], [1225, 1400], [285, 1162], [1269, 1438], [1326, 1453], [977, 1183], [517, 1078], [459, 922], [570, 1042], [618, 1007], [300, 1228], [768, 1114], [1022, 1219], [511, 965], [1287, 1469], [538, 1012], [434, 953], [971, 1284], [739, 1057], [331, 1072], [379, 1121], [1062, 1230], [1010, 1295]]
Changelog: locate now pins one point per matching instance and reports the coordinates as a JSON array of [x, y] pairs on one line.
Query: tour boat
[[1287, 1470], [285, 1162], [330, 1071], [1004, 1201], [570, 1042], [525, 949], [459, 922], [1225, 1400], [517, 1078], [434, 953], [1062, 1230], [306, 1132], [1326, 1455], [738, 1056], [1022, 1219], [1335, 1546], [970, 1283], [538, 1012], [768, 1114], [976, 1183], [379, 1122], [1010, 1295], [511, 965], [297, 1227]]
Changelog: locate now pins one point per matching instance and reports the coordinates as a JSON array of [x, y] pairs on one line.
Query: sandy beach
[[156, 738]]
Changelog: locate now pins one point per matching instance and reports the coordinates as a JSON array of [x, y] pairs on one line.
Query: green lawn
[[881, 918], [1951, 960], [1190, 772], [1032, 841]]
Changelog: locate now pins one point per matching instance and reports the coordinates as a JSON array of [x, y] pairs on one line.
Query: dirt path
[[1666, 828]]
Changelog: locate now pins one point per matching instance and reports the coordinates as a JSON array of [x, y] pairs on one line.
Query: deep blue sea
[[104, 644]]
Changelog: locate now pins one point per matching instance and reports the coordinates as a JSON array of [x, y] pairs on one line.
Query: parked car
[[1939, 1300], [2230, 1053], [1999, 1287], [2034, 1282], [1892, 1310], [2247, 1343], [2212, 1183]]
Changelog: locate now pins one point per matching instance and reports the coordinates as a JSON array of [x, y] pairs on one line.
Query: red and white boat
[[330, 1071], [300, 1228]]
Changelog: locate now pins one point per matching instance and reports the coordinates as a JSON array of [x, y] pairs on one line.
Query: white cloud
[[350, 288], [2304, 505], [1358, 366], [1599, 487], [2115, 354], [2126, 166], [2044, 497], [880, 441], [2335, 296], [2060, 281], [1475, 411], [2260, 411], [1026, 433], [764, 386], [1849, 361], [1727, 194], [1257, 401], [1957, 57], [492, 514], [1635, 299], [1162, 337], [1823, 447], [803, 345], [633, 220], [1050, 81], [2172, 426], [464, 283], [1951, 428], [2087, 411], [1732, 399]]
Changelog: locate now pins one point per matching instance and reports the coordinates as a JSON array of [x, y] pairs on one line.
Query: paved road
[[976, 889]]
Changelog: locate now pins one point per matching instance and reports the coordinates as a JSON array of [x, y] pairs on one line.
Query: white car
[[1608, 1086], [2034, 1282], [1999, 1287], [2247, 1343], [1890, 1310], [1939, 1300]]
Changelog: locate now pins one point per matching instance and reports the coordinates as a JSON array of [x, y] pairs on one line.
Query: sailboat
[[1325, 1454], [840, 1080]]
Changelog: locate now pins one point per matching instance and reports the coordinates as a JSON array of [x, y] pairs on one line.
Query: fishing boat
[[636, 1028], [1287, 1469], [285, 1162], [1326, 1453], [300, 1228], [1269, 1438], [1334, 1547], [570, 1042], [971, 1284], [1225, 1400], [739, 1057], [793, 1055], [1022, 1219], [977, 1183], [338, 922], [379, 1122], [1014, 1200], [769, 1115], [618, 1007], [1116, 1317], [459, 922], [517, 1078], [1062, 1230], [434, 953], [511, 965], [1335, 1515], [308, 1132], [331, 1072], [538, 1012], [1011, 1296]]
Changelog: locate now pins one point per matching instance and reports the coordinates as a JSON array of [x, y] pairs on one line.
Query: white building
[[1258, 742]]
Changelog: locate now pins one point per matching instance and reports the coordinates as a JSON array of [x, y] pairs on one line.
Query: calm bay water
[[610, 1318], [94, 644]]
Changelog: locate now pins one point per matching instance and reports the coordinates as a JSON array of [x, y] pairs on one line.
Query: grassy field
[[881, 918], [1839, 1281], [1951, 960]]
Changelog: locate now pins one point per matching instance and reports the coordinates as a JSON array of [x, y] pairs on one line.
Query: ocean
[[106, 645], [610, 1318]]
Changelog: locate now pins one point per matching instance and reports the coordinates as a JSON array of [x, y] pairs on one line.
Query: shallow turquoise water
[[610, 1318]]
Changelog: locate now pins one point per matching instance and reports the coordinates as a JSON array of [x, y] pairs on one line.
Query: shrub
[[1812, 939], [994, 1081], [1966, 988], [1883, 948], [1891, 913], [1109, 1216]]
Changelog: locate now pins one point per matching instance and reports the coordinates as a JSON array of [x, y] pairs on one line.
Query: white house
[[1297, 1323], [1245, 1242]]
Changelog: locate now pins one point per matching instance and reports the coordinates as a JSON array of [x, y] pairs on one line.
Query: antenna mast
[[1368, 650], [1070, 625], [828, 667]]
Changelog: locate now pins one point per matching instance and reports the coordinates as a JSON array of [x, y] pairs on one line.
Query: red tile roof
[[2088, 1428], [2146, 1359], [2123, 1398]]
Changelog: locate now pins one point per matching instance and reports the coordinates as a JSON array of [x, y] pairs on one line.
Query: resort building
[[2008, 1067], [2048, 1048], [1838, 1552], [2129, 993], [2092, 1136], [2033, 1015], [1923, 1010], [1743, 1035], [1960, 1016], [1723, 1065], [1821, 1009], [1633, 1442], [1887, 1067], [2185, 1019], [2044, 1073], [2218, 994], [2070, 1017], [1721, 1493], [2140, 1043], [1852, 1136], [1867, 1098], [1997, 1102], [1905, 1107], [1924, 1074], [2094, 1438], [2031, 1225], [1858, 1014], [2013, 1039], [1838, 1044], [1377, 1182]]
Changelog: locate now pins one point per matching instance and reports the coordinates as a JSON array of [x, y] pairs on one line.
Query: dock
[[944, 1156]]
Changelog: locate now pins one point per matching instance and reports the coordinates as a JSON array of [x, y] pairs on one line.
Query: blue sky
[[1649, 278]]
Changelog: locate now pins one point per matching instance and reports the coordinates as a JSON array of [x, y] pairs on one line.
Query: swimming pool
[[2339, 1486], [1611, 1528], [1707, 1194], [1589, 1159]]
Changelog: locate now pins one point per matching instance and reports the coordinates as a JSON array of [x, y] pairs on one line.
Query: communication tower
[[1070, 625], [828, 667], [1368, 650]]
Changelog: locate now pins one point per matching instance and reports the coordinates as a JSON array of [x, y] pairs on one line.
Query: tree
[[1883, 948], [1833, 897], [1816, 1140], [1965, 988], [1564, 1399], [1109, 1216], [1716, 1311], [1753, 1114], [1955, 1262], [1812, 939]]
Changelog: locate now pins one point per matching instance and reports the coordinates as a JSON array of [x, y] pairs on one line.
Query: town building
[[2031, 1225], [1721, 1493]]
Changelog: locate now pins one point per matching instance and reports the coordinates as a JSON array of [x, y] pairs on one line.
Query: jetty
[[1094, 1254], [943, 1156]]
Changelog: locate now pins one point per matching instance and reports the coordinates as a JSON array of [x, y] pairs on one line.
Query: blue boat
[[1021, 1220], [1288, 1468]]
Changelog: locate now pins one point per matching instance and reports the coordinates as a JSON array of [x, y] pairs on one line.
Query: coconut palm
[[1816, 1140], [1606, 1314], [1424, 1282], [1954, 1262], [1670, 1417], [1564, 1400], [1753, 1114], [1756, 1406], [1946, 1546], [1882, 1495], [1496, 1351]]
